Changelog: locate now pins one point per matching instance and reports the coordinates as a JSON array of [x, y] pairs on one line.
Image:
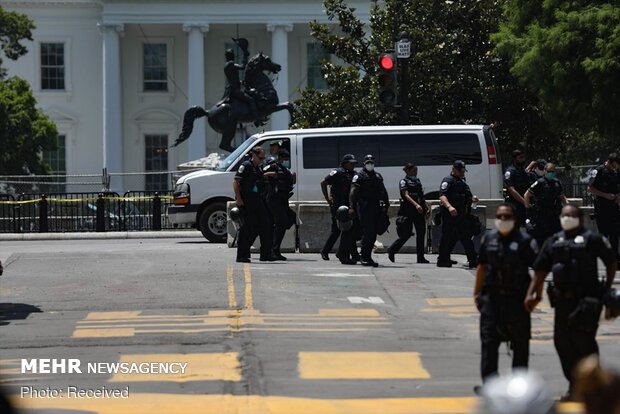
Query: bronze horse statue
[[226, 114]]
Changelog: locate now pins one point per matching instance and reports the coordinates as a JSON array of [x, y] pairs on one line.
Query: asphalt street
[[301, 336]]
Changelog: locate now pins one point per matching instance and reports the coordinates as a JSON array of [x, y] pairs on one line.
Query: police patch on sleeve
[[606, 242], [403, 184], [333, 172], [534, 246], [241, 168], [507, 175], [355, 178], [593, 173], [534, 185], [444, 185]]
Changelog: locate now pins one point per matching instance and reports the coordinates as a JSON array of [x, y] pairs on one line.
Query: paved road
[[302, 336]]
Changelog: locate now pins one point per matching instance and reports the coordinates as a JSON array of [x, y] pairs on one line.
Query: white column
[[279, 54], [197, 143], [112, 103]]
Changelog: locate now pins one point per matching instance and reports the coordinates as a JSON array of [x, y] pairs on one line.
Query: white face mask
[[504, 226], [369, 166], [539, 173], [569, 223]]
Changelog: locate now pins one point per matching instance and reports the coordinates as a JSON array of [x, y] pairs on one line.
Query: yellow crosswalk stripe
[[361, 365]]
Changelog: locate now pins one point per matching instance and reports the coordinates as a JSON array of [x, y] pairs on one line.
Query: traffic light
[[388, 76]]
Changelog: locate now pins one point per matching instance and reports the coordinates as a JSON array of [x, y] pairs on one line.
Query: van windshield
[[245, 145]]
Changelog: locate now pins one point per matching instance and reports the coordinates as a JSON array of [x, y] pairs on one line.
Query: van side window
[[321, 152], [393, 150], [430, 149]]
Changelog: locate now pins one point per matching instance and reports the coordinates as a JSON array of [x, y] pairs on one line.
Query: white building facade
[[116, 76]]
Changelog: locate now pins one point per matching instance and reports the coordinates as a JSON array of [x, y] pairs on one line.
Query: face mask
[[549, 176], [504, 226], [369, 166], [569, 223], [539, 172], [286, 163], [413, 177]]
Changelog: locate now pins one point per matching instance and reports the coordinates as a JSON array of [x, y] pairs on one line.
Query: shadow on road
[[15, 311]]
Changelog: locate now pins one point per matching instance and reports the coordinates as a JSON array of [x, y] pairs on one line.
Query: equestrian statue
[[254, 103]]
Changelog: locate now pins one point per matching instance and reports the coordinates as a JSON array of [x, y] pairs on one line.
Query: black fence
[[80, 212]]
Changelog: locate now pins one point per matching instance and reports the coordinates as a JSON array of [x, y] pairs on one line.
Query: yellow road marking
[[249, 302], [232, 300], [254, 404], [200, 367], [103, 333], [361, 365], [93, 316]]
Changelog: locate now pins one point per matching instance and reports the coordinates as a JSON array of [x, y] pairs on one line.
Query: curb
[[111, 235]]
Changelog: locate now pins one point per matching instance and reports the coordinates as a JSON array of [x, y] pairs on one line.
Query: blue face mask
[[549, 176], [286, 163], [413, 177]]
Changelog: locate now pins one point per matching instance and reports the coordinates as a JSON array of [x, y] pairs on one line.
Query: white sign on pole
[[403, 47]]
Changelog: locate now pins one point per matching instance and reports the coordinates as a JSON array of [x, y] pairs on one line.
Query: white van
[[200, 197]]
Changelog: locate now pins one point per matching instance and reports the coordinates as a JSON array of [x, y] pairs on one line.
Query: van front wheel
[[213, 223]]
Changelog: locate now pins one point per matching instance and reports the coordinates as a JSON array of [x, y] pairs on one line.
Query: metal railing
[[84, 212]]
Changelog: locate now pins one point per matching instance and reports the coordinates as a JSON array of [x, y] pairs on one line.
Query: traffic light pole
[[404, 91]]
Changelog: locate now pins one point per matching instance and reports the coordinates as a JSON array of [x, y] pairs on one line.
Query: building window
[[56, 159], [316, 54], [155, 67], [156, 159], [52, 66]]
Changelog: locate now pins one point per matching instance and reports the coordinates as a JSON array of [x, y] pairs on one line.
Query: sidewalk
[[164, 234]]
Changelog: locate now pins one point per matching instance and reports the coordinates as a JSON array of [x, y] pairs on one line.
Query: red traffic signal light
[[386, 62], [387, 79]]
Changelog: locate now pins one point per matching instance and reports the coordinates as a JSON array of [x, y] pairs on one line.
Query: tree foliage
[[568, 53], [455, 74], [24, 129]]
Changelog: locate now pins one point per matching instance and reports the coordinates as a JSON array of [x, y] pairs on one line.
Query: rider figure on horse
[[233, 84]]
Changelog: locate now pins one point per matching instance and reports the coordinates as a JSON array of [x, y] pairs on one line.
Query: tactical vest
[[506, 271], [371, 186], [574, 265], [415, 191], [340, 183]]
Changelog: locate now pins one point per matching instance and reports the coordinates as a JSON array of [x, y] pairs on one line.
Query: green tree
[[568, 54], [454, 75], [24, 129]]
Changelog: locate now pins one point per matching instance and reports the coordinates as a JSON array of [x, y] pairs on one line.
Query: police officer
[[339, 182], [605, 186], [367, 193], [502, 281], [576, 291], [279, 191], [257, 221], [455, 199], [550, 198], [516, 182], [413, 211]]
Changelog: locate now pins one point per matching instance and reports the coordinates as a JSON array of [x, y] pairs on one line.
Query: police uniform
[[607, 212], [408, 217], [370, 192], [257, 219], [503, 317], [455, 229], [279, 191], [521, 180], [548, 206], [339, 181], [575, 293]]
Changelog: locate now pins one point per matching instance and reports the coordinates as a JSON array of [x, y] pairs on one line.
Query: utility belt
[[585, 315]]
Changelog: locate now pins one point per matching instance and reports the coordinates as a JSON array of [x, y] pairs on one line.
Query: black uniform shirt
[[282, 184], [506, 260], [607, 181], [414, 188], [249, 176], [547, 195], [340, 182], [518, 178], [371, 187], [574, 261], [458, 193]]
